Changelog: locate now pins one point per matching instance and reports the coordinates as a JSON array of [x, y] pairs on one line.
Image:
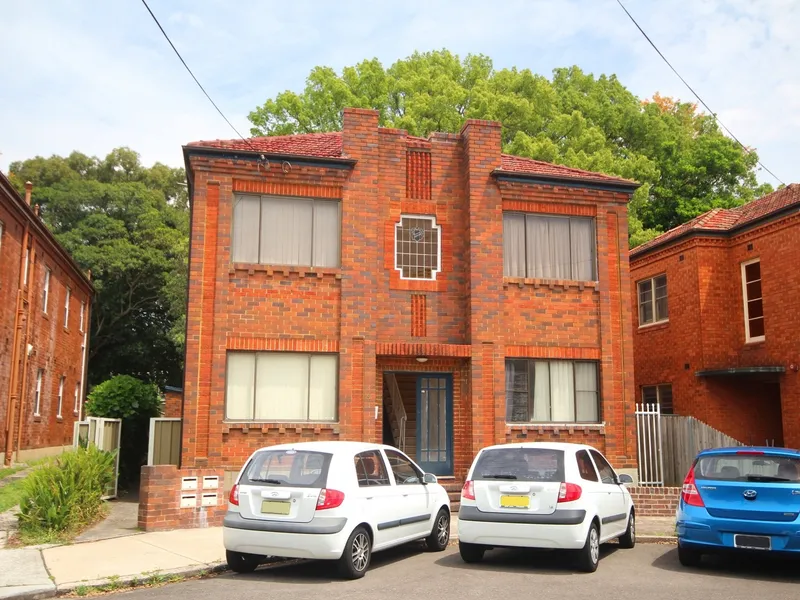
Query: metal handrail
[[398, 409]]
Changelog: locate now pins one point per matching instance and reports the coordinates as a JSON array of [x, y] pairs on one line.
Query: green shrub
[[66, 493], [135, 402]]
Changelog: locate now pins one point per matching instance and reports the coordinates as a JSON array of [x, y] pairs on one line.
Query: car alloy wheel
[[594, 545], [443, 529], [360, 552]]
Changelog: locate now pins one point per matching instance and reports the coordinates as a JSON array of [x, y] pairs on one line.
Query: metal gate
[[651, 452], [106, 435], [165, 442]]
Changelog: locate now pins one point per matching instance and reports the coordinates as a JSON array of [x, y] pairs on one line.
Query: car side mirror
[[624, 479], [429, 478]]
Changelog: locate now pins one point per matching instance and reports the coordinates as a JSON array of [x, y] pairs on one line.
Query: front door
[[435, 423]]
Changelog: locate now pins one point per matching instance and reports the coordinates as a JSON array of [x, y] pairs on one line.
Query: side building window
[[659, 394], [272, 230], [555, 391], [417, 247], [281, 386], [653, 300], [753, 301], [549, 247]]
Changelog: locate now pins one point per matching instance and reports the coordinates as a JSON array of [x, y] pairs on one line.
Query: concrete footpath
[[147, 558]]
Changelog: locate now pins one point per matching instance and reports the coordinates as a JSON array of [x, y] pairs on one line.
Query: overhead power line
[[245, 140], [696, 95]]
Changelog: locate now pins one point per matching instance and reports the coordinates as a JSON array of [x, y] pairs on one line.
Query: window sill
[[37, 418], [45, 315], [286, 271], [654, 326], [59, 419], [754, 343], [280, 427], [555, 427], [551, 283]]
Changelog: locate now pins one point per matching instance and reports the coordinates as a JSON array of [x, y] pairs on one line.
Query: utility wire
[[195, 78], [696, 95]]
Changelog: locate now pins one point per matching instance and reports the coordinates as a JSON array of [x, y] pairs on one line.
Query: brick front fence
[[655, 501]]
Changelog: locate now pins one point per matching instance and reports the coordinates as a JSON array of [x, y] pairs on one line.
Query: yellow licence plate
[[275, 507], [515, 501]]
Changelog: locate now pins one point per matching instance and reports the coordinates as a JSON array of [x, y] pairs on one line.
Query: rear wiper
[[266, 480], [485, 476], [766, 478]]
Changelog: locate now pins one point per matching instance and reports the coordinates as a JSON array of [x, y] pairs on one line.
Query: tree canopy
[[129, 225], [685, 164]]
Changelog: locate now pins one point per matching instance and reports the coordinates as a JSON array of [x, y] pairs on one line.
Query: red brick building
[[718, 336], [342, 284], [45, 301]]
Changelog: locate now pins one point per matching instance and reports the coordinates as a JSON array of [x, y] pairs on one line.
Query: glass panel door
[[435, 423]]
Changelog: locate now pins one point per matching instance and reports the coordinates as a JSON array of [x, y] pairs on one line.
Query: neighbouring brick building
[[345, 284], [45, 301], [718, 334]]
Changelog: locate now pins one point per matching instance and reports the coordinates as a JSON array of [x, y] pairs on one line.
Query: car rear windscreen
[[292, 468], [743, 467], [520, 464]]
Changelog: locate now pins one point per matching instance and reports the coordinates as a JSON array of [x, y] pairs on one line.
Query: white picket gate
[[648, 434], [106, 434]]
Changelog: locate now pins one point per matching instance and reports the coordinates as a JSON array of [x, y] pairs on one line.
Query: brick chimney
[[28, 188]]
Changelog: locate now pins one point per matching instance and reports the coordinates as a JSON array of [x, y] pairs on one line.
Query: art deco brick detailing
[[720, 332], [404, 344]]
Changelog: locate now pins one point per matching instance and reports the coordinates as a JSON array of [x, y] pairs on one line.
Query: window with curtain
[[549, 247], [653, 300], [281, 386], [552, 391], [275, 230]]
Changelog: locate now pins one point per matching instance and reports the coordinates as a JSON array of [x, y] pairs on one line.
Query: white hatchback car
[[544, 495], [331, 500]]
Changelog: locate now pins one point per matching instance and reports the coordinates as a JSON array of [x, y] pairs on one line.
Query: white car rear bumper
[[289, 545], [475, 530]]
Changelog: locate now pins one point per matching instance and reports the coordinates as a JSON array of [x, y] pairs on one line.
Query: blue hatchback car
[[740, 500]]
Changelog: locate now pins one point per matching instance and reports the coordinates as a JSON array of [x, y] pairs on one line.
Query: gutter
[[573, 182]]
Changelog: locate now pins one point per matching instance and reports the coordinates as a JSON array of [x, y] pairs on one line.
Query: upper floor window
[[37, 394], [46, 289], [61, 383], [76, 406], [555, 391], [653, 300], [659, 394], [274, 230], [67, 298], [417, 247], [753, 303], [27, 264], [548, 247], [281, 386], [83, 316]]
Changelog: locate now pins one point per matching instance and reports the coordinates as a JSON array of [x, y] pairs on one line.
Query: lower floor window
[[659, 394], [552, 391], [281, 386]]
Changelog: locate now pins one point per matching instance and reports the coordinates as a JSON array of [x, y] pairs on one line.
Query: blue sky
[[93, 75]]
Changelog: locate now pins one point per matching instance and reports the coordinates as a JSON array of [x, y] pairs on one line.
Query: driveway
[[647, 572]]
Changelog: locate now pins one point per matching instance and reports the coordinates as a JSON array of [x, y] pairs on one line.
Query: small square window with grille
[[417, 247]]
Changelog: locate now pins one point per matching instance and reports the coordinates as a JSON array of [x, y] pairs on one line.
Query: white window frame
[[27, 264], [61, 383], [67, 298], [83, 315], [748, 338], [77, 396], [652, 282], [434, 225], [37, 398], [46, 290]]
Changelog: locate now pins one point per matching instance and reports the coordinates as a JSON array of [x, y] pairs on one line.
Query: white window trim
[[61, 383], [83, 316], [748, 338], [438, 229], [46, 300], [27, 265], [37, 399], [77, 395], [67, 298], [652, 281]]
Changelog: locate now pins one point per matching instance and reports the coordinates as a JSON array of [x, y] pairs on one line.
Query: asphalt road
[[648, 572]]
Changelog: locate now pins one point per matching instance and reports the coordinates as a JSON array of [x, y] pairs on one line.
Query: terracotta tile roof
[[726, 219], [517, 164], [329, 145], [323, 145]]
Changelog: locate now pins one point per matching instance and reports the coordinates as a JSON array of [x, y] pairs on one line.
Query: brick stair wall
[[655, 501]]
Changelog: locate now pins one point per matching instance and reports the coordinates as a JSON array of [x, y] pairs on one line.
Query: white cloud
[[93, 76]]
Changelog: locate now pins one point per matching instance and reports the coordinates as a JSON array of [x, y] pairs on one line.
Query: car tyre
[[628, 539], [439, 538], [589, 555], [471, 553], [357, 554], [689, 557], [239, 562]]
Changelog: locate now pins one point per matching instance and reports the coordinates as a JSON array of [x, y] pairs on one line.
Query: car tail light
[[689, 492], [234, 497], [468, 491], [569, 492], [329, 499]]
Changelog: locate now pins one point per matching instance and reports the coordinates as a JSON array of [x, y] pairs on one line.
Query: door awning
[[741, 371]]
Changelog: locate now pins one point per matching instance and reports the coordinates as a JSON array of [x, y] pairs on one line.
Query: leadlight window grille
[[417, 247]]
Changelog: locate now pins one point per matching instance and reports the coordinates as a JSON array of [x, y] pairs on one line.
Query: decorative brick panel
[[419, 317], [418, 174]]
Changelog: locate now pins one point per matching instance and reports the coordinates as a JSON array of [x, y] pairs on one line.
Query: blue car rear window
[[733, 467]]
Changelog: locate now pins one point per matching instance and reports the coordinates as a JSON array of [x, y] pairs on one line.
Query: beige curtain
[[246, 211], [539, 254], [513, 245], [586, 392], [286, 231], [582, 249], [322, 388], [327, 233], [281, 387], [558, 230], [239, 396], [562, 391]]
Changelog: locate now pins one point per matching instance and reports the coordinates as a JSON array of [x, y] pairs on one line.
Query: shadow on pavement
[[752, 567], [324, 571], [524, 561]]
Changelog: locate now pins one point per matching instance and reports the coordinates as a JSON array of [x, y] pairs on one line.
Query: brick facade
[[56, 348], [655, 501], [167, 502], [173, 402], [706, 326], [465, 323]]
